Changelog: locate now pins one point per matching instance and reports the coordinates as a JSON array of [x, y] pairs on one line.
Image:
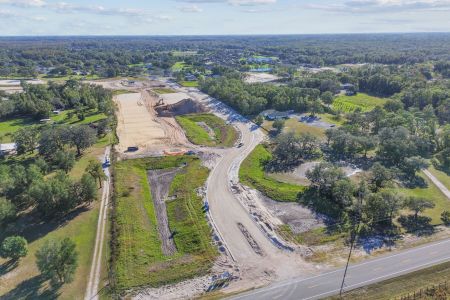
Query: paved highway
[[358, 275]]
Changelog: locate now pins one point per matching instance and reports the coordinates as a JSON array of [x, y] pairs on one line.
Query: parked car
[[132, 149]]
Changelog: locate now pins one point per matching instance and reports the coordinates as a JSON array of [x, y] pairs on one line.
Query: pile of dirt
[[183, 107]]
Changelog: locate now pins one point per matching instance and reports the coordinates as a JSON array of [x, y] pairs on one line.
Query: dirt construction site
[[145, 120], [243, 227]]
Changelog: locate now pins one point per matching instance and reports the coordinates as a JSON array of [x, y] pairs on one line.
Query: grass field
[[140, 260], [189, 83], [402, 285], [164, 90], [178, 66], [252, 174], [224, 135], [432, 193], [361, 100], [441, 176], [10, 126], [24, 281], [293, 125]]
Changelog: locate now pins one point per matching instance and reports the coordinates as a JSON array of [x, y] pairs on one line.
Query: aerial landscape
[[236, 149]]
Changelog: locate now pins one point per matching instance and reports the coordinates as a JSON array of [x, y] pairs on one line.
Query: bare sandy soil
[[136, 125], [252, 77], [12, 86], [173, 98]]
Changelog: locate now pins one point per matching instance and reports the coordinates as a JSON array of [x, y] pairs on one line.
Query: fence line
[[424, 292]]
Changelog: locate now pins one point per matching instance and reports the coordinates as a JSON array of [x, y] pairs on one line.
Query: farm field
[[360, 100], [140, 260], [222, 135], [178, 66], [252, 174], [24, 281]]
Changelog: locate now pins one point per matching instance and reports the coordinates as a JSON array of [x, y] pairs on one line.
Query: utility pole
[[352, 243]]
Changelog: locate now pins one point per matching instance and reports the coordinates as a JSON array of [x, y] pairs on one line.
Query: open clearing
[[252, 174], [351, 103], [256, 77], [207, 130], [136, 126], [140, 260]]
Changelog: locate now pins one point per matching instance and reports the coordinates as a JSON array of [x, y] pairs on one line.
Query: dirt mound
[[185, 106]]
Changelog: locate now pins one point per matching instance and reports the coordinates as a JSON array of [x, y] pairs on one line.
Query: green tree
[[445, 218], [82, 137], [418, 205], [259, 120], [26, 139], [380, 176], [65, 160], [278, 125], [327, 97], [14, 247], [95, 169], [7, 211], [57, 260]]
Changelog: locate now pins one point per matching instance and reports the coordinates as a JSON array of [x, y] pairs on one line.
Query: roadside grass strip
[[140, 260], [252, 174], [224, 135]]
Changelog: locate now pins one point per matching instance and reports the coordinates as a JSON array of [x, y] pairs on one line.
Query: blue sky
[[185, 17]]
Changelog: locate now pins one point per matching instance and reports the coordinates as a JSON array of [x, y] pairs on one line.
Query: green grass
[[164, 90], [402, 285], [329, 118], [252, 174], [121, 92], [140, 260], [314, 237], [293, 125], [432, 193], [80, 226], [178, 66], [224, 135], [361, 100], [67, 77], [10, 126], [189, 83], [441, 176]]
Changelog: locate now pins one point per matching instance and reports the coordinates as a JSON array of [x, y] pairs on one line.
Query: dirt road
[[94, 275], [228, 212], [160, 181], [439, 184]]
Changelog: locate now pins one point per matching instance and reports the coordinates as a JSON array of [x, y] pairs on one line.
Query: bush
[[445, 217], [14, 247]]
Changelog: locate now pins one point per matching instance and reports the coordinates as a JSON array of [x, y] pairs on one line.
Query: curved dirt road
[[228, 213]]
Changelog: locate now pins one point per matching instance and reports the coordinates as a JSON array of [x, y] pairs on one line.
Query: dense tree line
[[39, 101], [254, 98], [113, 56]]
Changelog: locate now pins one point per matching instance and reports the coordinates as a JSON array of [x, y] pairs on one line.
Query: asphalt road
[[358, 275]]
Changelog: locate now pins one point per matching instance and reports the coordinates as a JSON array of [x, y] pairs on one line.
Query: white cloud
[[190, 8], [375, 6], [24, 3], [233, 2]]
